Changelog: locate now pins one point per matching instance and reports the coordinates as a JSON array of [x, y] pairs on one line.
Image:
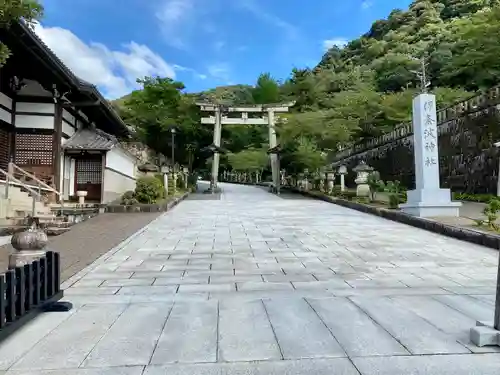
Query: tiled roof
[[90, 139]]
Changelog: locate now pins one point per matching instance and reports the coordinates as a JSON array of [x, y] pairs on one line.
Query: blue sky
[[203, 43]]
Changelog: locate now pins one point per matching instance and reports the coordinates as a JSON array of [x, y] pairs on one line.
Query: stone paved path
[[258, 284]]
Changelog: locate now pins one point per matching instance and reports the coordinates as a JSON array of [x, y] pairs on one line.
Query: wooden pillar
[[12, 145], [57, 150]]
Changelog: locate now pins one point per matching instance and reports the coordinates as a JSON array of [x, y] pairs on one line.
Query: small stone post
[[165, 170], [306, 181], [342, 172], [186, 174], [363, 171]]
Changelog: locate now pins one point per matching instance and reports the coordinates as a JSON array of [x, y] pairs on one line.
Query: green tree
[[158, 108], [13, 11], [267, 90]]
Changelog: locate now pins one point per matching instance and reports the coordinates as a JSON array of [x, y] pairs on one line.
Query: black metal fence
[[24, 290]]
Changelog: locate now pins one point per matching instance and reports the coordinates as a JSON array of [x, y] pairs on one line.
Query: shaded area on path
[[87, 241]]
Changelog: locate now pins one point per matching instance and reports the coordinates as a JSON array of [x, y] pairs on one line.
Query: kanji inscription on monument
[[428, 199]]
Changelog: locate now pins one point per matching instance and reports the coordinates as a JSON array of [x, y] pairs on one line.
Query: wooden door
[[88, 177]]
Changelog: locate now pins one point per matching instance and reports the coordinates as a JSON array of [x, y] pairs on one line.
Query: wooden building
[[58, 127]]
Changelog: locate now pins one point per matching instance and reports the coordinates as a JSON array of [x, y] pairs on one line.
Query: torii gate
[[266, 117]]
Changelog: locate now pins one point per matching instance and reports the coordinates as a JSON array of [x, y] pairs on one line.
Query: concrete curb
[[479, 238]]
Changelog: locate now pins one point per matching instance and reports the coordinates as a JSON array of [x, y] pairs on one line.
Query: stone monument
[[428, 199]]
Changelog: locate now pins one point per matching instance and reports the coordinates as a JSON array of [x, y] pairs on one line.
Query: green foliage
[[394, 200], [482, 198], [160, 106], [149, 190], [491, 213], [14, 10], [376, 184], [252, 160], [129, 199]]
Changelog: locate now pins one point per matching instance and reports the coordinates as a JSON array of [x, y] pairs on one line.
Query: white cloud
[[114, 72], [339, 42], [366, 4], [220, 71], [172, 16]]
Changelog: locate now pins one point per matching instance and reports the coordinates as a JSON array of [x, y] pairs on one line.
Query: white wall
[[119, 174], [34, 122], [121, 162], [28, 120], [6, 102], [67, 129]]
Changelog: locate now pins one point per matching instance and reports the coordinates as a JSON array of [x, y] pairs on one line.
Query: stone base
[[452, 210], [484, 334], [431, 203], [363, 190], [21, 258]]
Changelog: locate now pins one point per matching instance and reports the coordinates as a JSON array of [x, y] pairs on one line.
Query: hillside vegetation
[[354, 93]]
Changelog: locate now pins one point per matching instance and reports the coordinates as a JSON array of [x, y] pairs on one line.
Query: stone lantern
[[363, 171], [342, 172]]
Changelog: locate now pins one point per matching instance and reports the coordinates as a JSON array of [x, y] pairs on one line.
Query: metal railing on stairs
[[35, 187]]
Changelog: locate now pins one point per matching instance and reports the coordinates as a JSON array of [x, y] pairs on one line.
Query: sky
[[203, 43]]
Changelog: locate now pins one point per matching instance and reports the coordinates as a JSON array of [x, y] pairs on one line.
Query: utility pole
[[422, 74]]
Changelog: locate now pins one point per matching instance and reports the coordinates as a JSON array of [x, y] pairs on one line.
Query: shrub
[[159, 176], [192, 179], [128, 198], [149, 190], [393, 200], [375, 183], [482, 198], [491, 213]]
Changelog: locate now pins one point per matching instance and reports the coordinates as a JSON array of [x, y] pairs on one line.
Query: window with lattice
[[34, 149], [88, 171]]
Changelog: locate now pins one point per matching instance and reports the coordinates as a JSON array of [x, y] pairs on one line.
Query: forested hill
[[363, 89]]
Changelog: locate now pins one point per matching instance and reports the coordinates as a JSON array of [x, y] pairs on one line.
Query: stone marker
[[428, 199]]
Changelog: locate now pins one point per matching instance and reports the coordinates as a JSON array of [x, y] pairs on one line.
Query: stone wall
[[467, 158]]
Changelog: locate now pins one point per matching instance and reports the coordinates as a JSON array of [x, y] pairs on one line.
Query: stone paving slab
[[255, 284]]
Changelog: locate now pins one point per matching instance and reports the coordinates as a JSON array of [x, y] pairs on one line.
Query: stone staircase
[[15, 210]]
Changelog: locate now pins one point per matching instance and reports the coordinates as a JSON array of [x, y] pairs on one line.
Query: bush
[[149, 190], [128, 198], [192, 179], [159, 176], [394, 200], [482, 198]]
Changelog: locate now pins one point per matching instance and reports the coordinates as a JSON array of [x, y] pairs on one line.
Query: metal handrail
[[40, 182], [33, 192]]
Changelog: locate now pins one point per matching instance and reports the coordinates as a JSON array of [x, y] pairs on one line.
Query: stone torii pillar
[[217, 140], [272, 145]]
